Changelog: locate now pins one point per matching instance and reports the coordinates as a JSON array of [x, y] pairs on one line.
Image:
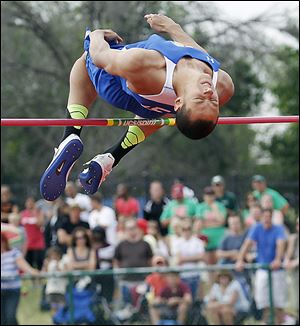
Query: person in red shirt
[[174, 299], [33, 221]]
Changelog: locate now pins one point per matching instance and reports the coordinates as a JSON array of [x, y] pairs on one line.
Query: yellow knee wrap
[[133, 137]]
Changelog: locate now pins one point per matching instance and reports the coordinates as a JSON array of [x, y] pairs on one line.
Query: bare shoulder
[[225, 87]]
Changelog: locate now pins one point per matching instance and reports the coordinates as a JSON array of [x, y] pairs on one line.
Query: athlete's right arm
[[115, 62]]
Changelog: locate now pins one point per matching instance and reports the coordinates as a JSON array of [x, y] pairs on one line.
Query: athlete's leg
[[81, 96], [101, 165]]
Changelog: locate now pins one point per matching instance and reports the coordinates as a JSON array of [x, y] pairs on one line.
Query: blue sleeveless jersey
[[114, 88]]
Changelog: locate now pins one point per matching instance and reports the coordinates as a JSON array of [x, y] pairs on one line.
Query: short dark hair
[[193, 129]]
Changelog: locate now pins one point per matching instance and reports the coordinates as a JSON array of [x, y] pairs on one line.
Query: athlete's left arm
[[164, 24]]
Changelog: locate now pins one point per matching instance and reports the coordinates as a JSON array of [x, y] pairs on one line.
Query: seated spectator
[[55, 286], [11, 262], [155, 204], [105, 217], [249, 202], [270, 243], [174, 300], [259, 186], [226, 301], [73, 197], [178, 207], [66, 228], [104, 258], [156, 241], [266, 202], [291, 264], [210, 221], [33, 221], [8, 204], [254, 216], [132, 252], [81, 255], [227, 198], [15, 232], [189, 253], [155, 282]]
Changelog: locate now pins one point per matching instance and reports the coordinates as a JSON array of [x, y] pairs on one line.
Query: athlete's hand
[[108, 35], [159, 23]]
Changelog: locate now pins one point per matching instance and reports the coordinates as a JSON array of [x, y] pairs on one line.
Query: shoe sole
[[54, 179], [91, 180]]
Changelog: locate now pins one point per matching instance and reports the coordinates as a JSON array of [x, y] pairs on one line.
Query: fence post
[[270, 283], [70, 290]]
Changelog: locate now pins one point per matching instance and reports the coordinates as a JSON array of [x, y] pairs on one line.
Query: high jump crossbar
[[113, 122]]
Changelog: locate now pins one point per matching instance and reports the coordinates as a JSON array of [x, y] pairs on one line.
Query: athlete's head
[[197, 110]]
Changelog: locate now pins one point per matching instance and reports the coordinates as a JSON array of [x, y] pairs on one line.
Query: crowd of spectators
[[79, 232]]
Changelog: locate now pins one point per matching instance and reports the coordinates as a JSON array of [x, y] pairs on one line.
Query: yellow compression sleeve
[[78, 111], [133, 137]]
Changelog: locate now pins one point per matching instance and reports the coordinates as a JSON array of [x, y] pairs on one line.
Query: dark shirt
[[232, 242], [153, 210], [229, 201], [133, 254], [167, 292]]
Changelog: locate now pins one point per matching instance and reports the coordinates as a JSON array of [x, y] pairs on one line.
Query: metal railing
[[72, 275]]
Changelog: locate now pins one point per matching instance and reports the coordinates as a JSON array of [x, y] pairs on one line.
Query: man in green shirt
[[259, 186], [210, 221], [178, 207], [227, 198]]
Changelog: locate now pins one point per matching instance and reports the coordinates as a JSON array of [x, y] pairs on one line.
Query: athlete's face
[[201, 98]]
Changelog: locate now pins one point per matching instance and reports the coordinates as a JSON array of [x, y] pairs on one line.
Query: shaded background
[[41, 40]]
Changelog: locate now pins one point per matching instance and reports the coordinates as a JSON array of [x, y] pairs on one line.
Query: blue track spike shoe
[[54, 179], [96, 172]]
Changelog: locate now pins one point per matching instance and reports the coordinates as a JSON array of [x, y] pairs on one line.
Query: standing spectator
[[176, 298], [8, 205], [174, 239], [132, 252], [125, 205], [291, 264], [270, 242], [66, 228], [226, 301], [11, 262], [15, 232], [178, 207], [211, 222], [227, 198], [156, 241], [254, 216], [73, 197], [81, 255], [55, 286], [230, 246], [104, 257], [260, 188], [251, 201], [105, 217], [189, 253], [33, 221], [267, 203], [155, 204]]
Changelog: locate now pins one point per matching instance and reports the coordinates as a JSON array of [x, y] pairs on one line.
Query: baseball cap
[[217, 179], [258, 178]]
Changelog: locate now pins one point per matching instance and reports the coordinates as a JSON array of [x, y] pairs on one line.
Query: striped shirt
[[10, 269]]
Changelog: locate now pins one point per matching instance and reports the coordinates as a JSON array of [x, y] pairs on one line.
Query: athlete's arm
[[115, 62], [164, 24]]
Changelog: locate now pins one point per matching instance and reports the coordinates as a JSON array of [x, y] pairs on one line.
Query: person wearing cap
[[65, 230], [259, 186], [178, 207], [210, 221], [227, 198]]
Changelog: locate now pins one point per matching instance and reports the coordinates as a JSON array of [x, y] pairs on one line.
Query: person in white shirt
[[105, 217], [73, 197], [189, 252]]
